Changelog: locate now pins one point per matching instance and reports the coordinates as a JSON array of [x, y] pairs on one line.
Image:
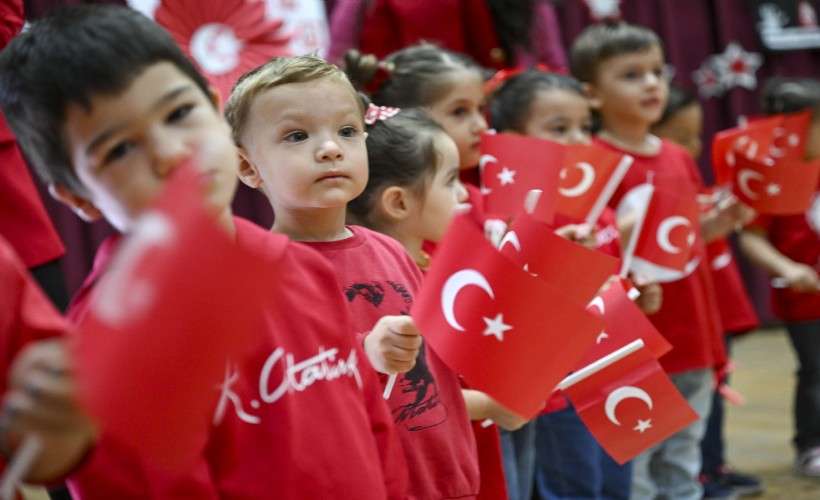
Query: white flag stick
[[20, 464], [609, 190], [600, 364], [633, 238], [391, 381]]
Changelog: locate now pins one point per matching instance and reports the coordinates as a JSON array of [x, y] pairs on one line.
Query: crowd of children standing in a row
[[106, 107]]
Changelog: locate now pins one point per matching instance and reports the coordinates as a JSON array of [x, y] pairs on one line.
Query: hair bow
[[379, 113], [503, 75]]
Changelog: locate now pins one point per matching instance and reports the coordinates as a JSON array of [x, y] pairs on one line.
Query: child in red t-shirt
[[788, 248], [622, 68], [107, 106], [682, 122], [299, 126]]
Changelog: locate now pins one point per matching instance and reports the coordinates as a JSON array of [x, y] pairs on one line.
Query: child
[[682, 122], [298, 123], [788, 247], [570, 462], [107, 107], [622, 69]]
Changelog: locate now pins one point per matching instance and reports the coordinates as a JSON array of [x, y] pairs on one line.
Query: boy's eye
[[632, 75], [559, 129], [117, 152], [460, 111], [297, 136], [180, 113], [348, 132]]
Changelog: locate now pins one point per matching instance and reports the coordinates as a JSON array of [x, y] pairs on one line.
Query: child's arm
[[481, 406], [728, 215], [42, 401], [393, 345], [756, 246]]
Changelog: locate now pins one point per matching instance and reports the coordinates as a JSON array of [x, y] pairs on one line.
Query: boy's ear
[[79, 205], [395, 203], [248, 173], [593, 95]]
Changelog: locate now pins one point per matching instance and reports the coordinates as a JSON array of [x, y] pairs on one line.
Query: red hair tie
[[503, 75]]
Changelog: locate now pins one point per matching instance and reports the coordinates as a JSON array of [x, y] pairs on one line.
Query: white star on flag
[[496, 327], [643, 425], [773, 189], [506, 176]]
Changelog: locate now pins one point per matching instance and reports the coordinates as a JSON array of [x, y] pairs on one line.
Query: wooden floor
[[758, 433]]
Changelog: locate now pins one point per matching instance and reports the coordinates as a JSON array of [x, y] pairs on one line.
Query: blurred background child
[[788, 248], [682, 122]]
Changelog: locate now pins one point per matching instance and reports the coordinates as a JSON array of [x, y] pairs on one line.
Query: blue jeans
[[671, 468], [518, 453], [712, 447], [805, 338], [572, 465]]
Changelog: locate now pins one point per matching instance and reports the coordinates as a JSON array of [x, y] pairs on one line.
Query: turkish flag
[[506, 332], [512, 165], [625, 322], [776, 188], [573, 269], [778, 138], [225, 39], [588, 179], [26, 314], [666, 233], [627, 402], [752, 140], [177, 302]]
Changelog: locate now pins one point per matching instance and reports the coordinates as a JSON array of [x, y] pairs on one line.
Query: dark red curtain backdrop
[[692, 30]]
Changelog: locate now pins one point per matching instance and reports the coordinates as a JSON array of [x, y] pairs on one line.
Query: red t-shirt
[[379, 278], [688, 318], [274, 435], [798, 238], [737, 315]]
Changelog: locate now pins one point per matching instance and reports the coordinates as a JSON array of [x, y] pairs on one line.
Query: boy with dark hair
[[108, 107], [622, 69]]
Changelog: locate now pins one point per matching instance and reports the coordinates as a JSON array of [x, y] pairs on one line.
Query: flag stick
[[391, 381], [600, 364], [19, 466], [633, 238], [609, 190]]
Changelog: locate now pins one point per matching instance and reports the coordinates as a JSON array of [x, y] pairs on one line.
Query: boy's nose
[[329, 151], [479, 123], [170, 156]]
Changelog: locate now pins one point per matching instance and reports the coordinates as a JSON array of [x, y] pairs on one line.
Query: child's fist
[[393, 345], [802, 278]]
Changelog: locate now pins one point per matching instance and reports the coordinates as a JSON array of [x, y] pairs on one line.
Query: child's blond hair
[[276, 72]]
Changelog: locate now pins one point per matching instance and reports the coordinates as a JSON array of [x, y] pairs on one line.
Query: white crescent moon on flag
[[621, 393], [792, 140], [598, 303], [453, 286], [485, 159], [512, 239], [585, 183], [743, 178], [665, 228]]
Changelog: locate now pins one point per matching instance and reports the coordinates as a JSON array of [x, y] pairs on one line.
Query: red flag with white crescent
[[165, 318], [627, 402], [506, 332], [571, 268], [588, 179], [776, 188], [666, 234], [512, 165], [751, 140], [625, 323]]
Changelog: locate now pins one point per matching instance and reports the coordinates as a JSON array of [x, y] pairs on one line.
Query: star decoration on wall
[[734, 67]]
